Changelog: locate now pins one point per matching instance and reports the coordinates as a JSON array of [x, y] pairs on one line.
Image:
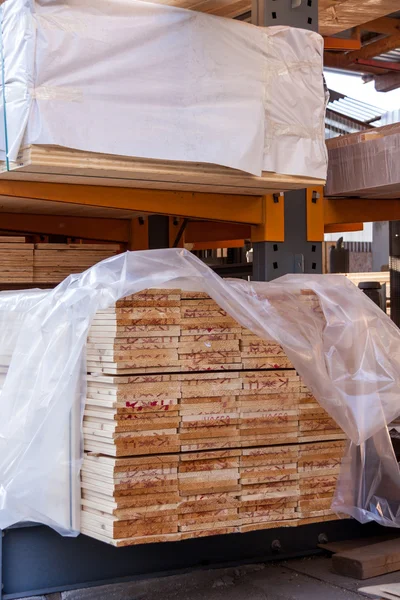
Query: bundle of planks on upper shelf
[[193, 143], [54, 262], [16, 260], [67, 165], [21, 262], [193, 426]]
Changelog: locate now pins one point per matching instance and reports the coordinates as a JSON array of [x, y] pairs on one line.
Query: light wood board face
[[49, 263], [181, 496], [339, 15]]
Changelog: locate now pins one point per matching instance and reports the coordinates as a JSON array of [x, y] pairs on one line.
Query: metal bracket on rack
[[295, 13]]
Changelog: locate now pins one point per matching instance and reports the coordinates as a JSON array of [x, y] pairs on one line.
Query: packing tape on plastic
[[74, 26], [296, 130], [65, 94], [68, 24]]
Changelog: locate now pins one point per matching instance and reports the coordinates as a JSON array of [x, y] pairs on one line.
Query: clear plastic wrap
[[349, 357], [147, 80], [366, 163]]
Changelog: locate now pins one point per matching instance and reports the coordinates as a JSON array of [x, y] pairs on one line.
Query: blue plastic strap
[[4, 89]]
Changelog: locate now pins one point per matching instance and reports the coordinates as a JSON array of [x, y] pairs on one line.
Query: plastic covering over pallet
[[144, 80], [351, 364]]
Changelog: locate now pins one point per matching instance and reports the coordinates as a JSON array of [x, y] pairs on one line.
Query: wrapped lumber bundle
[[173, 408], [365, 164], [44, 336], [16, 260], [194, 144], [54, 262]]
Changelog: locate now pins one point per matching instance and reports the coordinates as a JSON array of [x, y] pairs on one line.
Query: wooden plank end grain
[[369, 561]]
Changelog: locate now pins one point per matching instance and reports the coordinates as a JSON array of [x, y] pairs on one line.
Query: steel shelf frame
[[35, 560]]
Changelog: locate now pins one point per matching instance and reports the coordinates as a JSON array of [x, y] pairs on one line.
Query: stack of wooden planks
[[132, 415], [314, 422], [209, 338], [132, 500], [193, 426], [22, 262], [270, 490], [66, 165], [177, 496], [318, 469], [209, 484], [54, 262], [139, 334], [258, 354], [16, 260]]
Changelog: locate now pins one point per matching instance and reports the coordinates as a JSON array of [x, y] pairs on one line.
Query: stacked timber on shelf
[[21, 262], [51, 163], [16, 260], [365, 164], [194, 426], [54, 262]]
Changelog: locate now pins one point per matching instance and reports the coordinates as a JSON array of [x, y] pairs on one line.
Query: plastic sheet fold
[[349, 357]]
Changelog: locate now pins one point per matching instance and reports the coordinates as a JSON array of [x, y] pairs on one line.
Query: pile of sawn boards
[[16, 260], [54, 262], [21, 262], [194, 426]]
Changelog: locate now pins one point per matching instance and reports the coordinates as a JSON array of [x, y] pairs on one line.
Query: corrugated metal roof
[[348, 115], [356, 110], [392, 56]]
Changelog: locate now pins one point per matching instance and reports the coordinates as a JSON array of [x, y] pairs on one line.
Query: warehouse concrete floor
[[300, 579]]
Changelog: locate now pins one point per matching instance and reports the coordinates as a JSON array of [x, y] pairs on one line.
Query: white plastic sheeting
[[349, 358], [146, 80]]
